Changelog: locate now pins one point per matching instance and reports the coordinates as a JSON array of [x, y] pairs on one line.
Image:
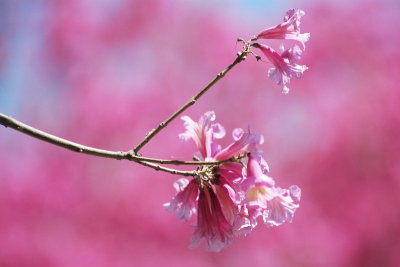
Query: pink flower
[[282, 204], [255, 201], [203, 133], [228, 197], [228, 191], [211, 223], [274, 204], [216, 206], [289, 29], [243, 140], [185, 201], [284, 64]]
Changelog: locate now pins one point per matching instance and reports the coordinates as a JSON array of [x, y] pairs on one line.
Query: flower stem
[[240, 57]]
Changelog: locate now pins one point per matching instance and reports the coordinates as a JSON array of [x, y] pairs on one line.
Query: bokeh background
[[103, 73]]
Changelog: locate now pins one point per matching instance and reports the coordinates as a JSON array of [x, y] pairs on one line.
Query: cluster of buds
[[228, 198]]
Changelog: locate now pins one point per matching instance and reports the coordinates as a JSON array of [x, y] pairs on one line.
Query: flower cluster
[[284, 61], [228, 197]]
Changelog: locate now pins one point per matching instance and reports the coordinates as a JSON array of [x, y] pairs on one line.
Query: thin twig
[[133, 155], [7, 121], [181, 162], [61, 142], [241, 56], [173, 171]]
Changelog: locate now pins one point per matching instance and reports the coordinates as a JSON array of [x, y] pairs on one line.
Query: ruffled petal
[[281, 207], [284, 65], [184, 202]]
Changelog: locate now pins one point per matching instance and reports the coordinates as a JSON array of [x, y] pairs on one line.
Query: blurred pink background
[[103, 73]]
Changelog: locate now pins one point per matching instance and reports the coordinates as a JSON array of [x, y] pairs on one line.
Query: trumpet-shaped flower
[[289, 29], [274, 204], [184, 203], [212, 224], [285, 66], [203, 133], [243, 140], [282, 204]]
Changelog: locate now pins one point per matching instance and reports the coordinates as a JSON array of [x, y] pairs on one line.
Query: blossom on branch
[[203, 133], [229, 197], [285, 66], [274, 204], [289, 29]]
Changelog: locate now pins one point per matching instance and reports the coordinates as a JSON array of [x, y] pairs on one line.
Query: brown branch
[[58, 141], [7, 121], [133, 155], [181, 162]]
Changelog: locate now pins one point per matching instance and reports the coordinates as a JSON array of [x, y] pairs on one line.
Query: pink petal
[[284, 66], [203, 133], [184, 202], [281, 208], [211, 223]]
